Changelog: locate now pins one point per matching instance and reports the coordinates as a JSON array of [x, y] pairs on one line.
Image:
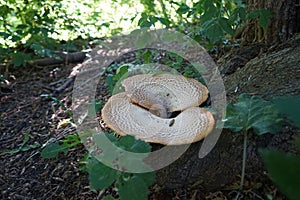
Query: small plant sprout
[[251, 113]]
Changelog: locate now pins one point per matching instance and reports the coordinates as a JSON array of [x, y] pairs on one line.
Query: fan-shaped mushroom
[[175, 92], [134, 111]]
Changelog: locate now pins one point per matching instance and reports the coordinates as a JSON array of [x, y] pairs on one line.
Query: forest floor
[[29, 120]]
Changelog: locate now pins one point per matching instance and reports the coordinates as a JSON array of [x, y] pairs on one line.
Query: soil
[[26, 175]]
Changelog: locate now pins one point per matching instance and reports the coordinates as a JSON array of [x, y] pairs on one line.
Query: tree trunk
[[282, 25], [271, 74]]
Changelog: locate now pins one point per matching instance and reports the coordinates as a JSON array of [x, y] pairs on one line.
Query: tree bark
[[283, 23], [274, 73]]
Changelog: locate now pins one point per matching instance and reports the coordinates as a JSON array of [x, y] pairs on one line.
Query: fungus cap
[[124, 117], [173, 92]]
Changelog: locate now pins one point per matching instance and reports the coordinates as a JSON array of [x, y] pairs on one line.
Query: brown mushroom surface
[[189, 126], [142, 109], [174, 92]]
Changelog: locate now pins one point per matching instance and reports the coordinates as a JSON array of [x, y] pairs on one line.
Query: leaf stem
[[244, 160]]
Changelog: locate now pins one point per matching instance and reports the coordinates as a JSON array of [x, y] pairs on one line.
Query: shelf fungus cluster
[[146, 109]]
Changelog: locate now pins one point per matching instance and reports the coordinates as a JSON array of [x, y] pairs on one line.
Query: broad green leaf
[[284, 171], [100, 175], [251, 112], [226, 26], [214, 33], [134, 188], [148, 178], [289, 106], [133, 145], [54, 149], [211, 11], [117, 152]]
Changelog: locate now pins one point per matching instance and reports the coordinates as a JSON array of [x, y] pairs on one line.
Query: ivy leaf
[[100, 175], [284, 170], [251, 112]]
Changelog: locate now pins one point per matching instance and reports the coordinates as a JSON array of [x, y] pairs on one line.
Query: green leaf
[[144, 21], [211, 11], [146, 56], [226, 26], [264, 18], [253, 14], [183, 9], [133, 145], [148, 178], [110, 82], [289, 106], [100, 175], [97, 105], [19, 59], [22, 146], [108, 197], [251, 112], [121, 72], [214, 33], [134, 188], [164, 21], [71, 140], [54, 149], [284, 170]]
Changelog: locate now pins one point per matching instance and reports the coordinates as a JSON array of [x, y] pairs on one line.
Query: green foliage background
[[30, 28]]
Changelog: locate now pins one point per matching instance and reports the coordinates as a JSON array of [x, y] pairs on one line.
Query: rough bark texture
[[276, 72], [283, 24]]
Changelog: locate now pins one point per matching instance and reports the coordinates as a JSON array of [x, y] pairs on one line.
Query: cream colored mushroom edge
[[144, 109]]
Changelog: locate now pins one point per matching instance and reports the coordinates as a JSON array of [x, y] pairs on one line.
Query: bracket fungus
[[144, 109]]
